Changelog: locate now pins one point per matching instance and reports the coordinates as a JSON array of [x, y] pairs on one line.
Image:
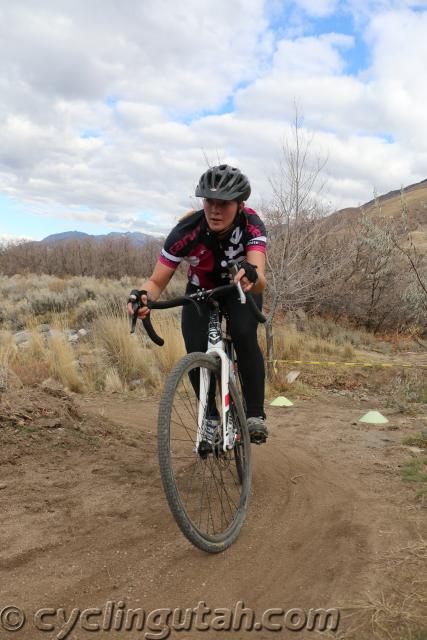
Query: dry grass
[[8, 349], [116, 357], [31, 372], [93, 370], [109, 359], [348, 352], [123, 351], [62, 364], [120, 349], [416, 440], [8, 354], [112, 381], [57, 284], [399, 614], [400, 387], [290, 344], [167, 325], [340, 335], [28, 365], [36, 349], [110, 354], [287, 344], [296, 389], [394, 616], [413, 553], [407, 386], [44, 297]]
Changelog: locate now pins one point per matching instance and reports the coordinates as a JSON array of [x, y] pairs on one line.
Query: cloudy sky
[[110, 110]]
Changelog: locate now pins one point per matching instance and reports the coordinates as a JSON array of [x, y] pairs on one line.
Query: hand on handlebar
[[246, 275], [138, 303], [137, 306], [245, 283], [143, 310]]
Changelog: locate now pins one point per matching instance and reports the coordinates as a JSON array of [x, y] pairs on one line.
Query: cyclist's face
[[220, 213]]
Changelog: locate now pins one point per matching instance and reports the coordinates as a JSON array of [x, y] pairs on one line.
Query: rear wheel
[[207, 488]]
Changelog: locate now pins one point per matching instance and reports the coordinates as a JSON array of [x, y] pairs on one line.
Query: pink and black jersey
[[207, 255]]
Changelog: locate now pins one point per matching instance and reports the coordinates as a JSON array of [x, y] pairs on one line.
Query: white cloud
[[365, 9], [181, 57], [312, 55], [108, 109], [399, 44]]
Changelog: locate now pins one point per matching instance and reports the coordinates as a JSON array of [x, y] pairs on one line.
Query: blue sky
[[19, 220], [114, 134]]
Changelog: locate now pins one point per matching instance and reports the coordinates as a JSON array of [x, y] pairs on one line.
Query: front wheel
[[207, 488]]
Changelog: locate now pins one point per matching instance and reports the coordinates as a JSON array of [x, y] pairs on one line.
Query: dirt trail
[[84, 520]]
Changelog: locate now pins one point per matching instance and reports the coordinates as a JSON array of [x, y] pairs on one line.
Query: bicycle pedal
[[258, 438]]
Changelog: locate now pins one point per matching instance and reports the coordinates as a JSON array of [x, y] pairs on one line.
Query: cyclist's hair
[[187, 215]]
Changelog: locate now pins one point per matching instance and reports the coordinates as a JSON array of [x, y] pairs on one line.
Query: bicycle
[[203, 440]]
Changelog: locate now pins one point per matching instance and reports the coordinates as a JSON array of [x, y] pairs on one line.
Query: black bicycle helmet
[[224, 183]]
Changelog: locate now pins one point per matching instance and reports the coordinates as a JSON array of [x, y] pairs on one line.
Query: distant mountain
[[136, 237], [63, 237]]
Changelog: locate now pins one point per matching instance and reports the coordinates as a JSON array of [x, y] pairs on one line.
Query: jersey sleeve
[[170, 253], [180, 240], [257, 234]]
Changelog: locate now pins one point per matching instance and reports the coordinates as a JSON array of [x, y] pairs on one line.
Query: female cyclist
[[207, 239]]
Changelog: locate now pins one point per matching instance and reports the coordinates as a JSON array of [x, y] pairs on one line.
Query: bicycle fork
[[216, 347]]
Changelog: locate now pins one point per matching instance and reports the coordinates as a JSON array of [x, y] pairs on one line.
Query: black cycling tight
[[243, 329]]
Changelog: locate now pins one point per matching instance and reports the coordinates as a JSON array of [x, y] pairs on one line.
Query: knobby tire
[[207, 497]]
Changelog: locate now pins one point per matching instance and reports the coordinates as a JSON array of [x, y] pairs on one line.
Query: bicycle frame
[[216, 347], [209, 513]]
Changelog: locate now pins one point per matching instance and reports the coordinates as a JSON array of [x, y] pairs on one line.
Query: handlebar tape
[[165, 304], [178, 302], [151, 332], [257, 313]]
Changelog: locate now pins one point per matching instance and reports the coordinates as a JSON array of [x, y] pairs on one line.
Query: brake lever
[[234, 270], [135, 308]]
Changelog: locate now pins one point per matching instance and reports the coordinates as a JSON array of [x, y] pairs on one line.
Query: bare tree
[[303, 246], [377, 269], [417, 290], [108, 258], [383, 284]]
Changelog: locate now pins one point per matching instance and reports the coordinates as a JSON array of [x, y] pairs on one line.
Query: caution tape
[[328, 363]]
